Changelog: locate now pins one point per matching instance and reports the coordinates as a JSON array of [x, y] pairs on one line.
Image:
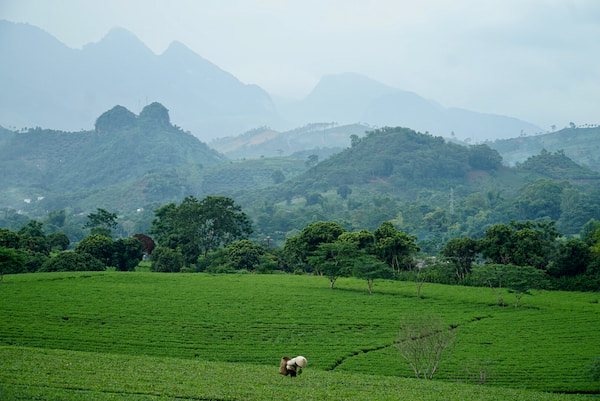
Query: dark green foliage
[[30, 244], [56, 219], [517, 279], [216, 262], [102, 218], [58, 241], [314, 199], [334, 259], [368, 267], [482, 157], [278, 176], [395, 247], [11, 261], [557, 166], [166, 260], [32, 229], [541, 199], [461, 253], [198, 227], [98, 246], [522, 244], [126, 254], [344, 191], [245, 254], [8, 238], [72, 261], [590, 232], [299, 247], [33, 239], [572, 258], [116, 119]]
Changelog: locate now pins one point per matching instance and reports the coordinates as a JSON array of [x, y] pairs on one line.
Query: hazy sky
[[537, 60]]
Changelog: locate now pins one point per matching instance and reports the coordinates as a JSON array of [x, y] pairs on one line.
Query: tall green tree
[[8, 238], [519, 280], [395, 247], [369, 268], [99, 246], [11, 261], [245, 254], [33, 239], [334, 259], [102, 222], [300, 246], [58, 241], [166, 260], [572, 258], [461, 252], [126, 254], [198, 227], [522, 244], [498, 243], [541, 199]]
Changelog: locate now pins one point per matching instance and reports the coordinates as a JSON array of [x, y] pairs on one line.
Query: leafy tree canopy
[[72, 261], [198, 227]]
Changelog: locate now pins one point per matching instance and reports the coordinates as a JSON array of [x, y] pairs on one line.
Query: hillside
[[323, 139], [557, 166], [47, 84], [428, 187], [582, 144], [62, 169], [400, 162]]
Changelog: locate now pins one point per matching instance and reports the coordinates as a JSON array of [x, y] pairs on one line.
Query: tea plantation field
[[138, 336]]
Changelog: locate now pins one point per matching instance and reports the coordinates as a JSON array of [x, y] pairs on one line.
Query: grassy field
[[114, 335]]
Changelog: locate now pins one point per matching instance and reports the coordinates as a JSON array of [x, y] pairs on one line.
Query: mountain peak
[[351, 82], [120, 41], [178, 47]]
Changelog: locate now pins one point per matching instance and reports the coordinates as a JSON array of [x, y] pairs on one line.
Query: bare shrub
[[423, 341]]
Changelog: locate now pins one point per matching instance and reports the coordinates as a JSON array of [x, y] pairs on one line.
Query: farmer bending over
[[292, 366]]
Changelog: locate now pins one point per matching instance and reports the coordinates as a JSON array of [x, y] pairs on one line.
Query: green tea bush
[[72, 261]]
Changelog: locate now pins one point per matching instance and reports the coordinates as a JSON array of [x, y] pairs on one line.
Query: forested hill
[[400, 162], [428, 187], [582, 144], [65, 166], [557, 166]]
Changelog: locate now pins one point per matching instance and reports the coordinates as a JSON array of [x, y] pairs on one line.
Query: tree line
[[212, 235]]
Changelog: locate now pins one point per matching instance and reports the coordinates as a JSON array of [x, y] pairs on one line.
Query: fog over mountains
[[50, 85], [47, 84]]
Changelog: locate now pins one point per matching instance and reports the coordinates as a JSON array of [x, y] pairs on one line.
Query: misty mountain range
[[47, 84]]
